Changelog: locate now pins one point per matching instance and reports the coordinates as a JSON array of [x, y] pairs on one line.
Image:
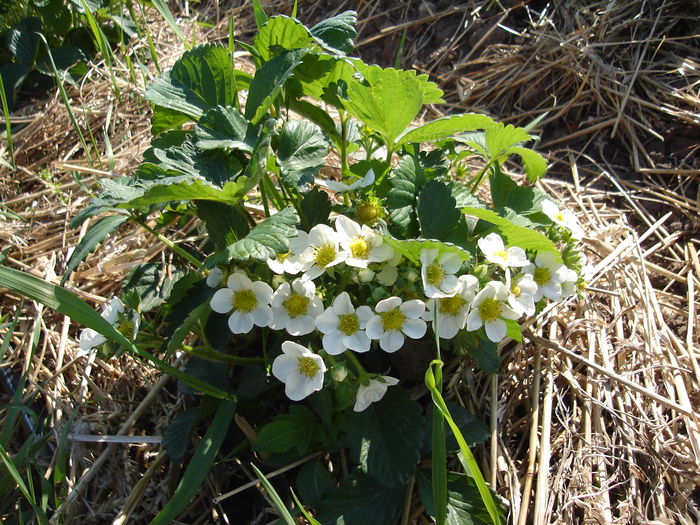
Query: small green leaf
[[314, 482], [485, 356], [445, 127], [500, 138], [437, 211], [338, 32], [359, 500], [199, 466], [153, 282], [281, 32], [385, 439], [260, 16], [513, 330], [301, 151], [266, 240], [535, 165], [92, 238], [176, 436], [315, 207], [268, 82], [405, 183], [281, 436], [515, 235], [225, 128]]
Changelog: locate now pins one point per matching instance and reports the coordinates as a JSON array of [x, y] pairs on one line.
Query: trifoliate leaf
[[437, 211], [337, 32], [360, 500], [225, 128], [268, 81], [515, 235], [385, 439], [201, 79], [445, 127], [281, 33]]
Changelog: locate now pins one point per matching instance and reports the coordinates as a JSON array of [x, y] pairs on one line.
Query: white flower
[[362, 244], [569, 281], [522, 294], [360, 183], [563, 218], [299, 369], [489, 309], [322, 251], [452, 311], [344, 326], [438, 273], [389, 272], [113, 312], [547, 273], [296, 307], [496, 252], [290, 262], [250, 302], [216, 275], [372, 392], [394, 319]]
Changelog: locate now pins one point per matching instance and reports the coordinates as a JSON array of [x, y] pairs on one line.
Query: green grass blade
[[10, 330], [14, 473], [281, 507], [468, 461], [308, 516], [66, 102], [162, 8], [103, 46], [67, 303], [260, 16], [200, 464], [8, 126]]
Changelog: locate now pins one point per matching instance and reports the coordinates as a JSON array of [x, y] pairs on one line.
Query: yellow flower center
[[348, 324], [515, 290], [451, 305], [490, 309], [281, 257], [559, 217], [308, 367], [359, 248], [245, 300], [393, 319], [434, 274], [126, 328], [502, 254], [296, 305], [324, 255], [542, 276]]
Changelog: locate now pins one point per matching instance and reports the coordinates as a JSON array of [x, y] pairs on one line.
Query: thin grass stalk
[[17, 477], [8, 125], [103, 45]]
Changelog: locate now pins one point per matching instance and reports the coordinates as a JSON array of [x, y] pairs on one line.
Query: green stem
[[479, 177], [213, 355], [361, 372], [170, 244]]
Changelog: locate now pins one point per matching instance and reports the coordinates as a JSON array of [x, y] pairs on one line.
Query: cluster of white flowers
[[452, 299]]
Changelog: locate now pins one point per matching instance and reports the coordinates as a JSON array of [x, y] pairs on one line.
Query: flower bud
[[412, 276], [369, 211], [339, 372], [365, 275], [277, 280]]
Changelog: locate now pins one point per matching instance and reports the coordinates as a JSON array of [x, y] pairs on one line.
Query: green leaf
[[500, 138], [184, 189], [69, 304], [283, 435], [437, 211], [485, 355], [22, 40], [153, 282], [535, 165], [281, 32], [176, 436], [201, 79], [315, 208], [513, 330], [338, 32], [515, 235], [314, 482], [199, 466], [405, 183], [385, 439], [55, 17], [386, 100], [260, 16], [360, 500], [318, 116], [301, 151], [266, 240], [463, 197], [268, 81], [411, 248], [207, 370], [92, 238], [12, 77], [464, 504], [225, 224], [445, 127], [225, 128], [69, 61]]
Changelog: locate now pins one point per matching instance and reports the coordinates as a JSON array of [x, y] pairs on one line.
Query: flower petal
[[414, 328], [413, 309], [375, 329], [359, 342], [222, 301], [386, 305], [391, 341], [333, 344], [496, 330], [327, 322], [240, 322]]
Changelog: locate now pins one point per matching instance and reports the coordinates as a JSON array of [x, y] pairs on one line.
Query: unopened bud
[[339, 372]]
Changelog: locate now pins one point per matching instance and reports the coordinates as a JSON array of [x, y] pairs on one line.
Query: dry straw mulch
[[593, 416]]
